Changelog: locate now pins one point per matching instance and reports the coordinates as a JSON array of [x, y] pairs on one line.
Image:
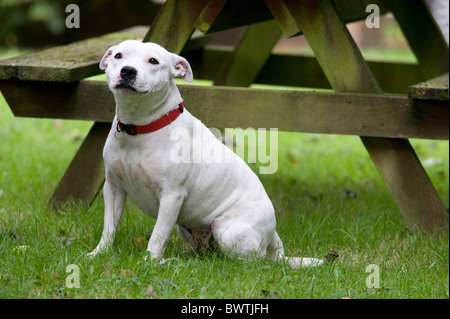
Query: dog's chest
[[132, 168]]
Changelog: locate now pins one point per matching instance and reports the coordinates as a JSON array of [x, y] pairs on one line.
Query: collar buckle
[[130, 129]]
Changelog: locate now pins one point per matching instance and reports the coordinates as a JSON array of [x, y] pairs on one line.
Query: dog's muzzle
[[127, 77], [128, 74]]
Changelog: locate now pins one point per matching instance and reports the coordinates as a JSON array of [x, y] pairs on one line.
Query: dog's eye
[[153, 61], [118, 56]]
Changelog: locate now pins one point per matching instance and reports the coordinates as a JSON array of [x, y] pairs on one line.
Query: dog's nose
[[128, 73]]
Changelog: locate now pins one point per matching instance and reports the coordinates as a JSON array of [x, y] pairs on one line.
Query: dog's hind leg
[[238, 239]]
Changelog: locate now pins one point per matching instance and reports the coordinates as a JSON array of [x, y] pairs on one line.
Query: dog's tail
[[277, 253]]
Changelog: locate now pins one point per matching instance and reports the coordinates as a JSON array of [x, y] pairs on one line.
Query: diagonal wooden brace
[[85, 174], [347, 71]]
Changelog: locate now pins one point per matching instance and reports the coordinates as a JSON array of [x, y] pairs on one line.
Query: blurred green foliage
[[17, 16], [37, 23]]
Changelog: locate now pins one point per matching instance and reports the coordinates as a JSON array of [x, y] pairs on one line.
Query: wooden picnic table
[[50, 84]]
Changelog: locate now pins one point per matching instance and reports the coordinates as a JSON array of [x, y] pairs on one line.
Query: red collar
[[153, 126]]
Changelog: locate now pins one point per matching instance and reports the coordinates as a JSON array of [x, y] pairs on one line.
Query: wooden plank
[[291, 70], [348, 10], [74, 101], [85, 174], [355, 10], [302, 71], [333, 46], [284, 18], [175, 22], [236, 13], [434, 89], [423, 35], [209, 14], [347, 71], [299, 111], [245, 63], [66, 63]]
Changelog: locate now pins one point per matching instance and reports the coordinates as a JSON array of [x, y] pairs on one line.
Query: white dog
[[221, 202]]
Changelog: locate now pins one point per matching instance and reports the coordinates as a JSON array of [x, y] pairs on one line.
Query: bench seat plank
[[434, 89], [66, 63]]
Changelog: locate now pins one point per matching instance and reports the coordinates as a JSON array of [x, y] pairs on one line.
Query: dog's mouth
[[125, 87]]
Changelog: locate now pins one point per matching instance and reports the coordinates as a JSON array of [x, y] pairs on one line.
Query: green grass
[[326, 192]]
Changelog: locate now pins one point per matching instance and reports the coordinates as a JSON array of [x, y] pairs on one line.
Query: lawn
[[326, 192]]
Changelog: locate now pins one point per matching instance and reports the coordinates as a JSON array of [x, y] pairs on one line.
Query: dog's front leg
[[169, 209], [114, 198]]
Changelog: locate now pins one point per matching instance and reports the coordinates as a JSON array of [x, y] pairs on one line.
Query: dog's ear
[[104, 61], [181, 68]]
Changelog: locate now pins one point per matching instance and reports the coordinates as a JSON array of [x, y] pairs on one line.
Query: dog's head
[[136, 67]]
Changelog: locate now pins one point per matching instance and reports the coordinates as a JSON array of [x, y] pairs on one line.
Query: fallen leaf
[[67, 241], [58, 123], [76, 136], [126, 273], [14, 235], [270, 295], [106, 268], [150, 292], [56, 275], [331, 256], [349, 193]]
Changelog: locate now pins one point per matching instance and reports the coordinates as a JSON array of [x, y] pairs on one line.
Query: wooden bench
[[47, 83], [357, 105], [434, 89]]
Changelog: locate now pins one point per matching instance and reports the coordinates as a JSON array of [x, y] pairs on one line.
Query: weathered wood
[[175, 22], [85, 174], [302, 71], [434, 89], [288, 110], [348, 10], [66, 63], [209, 14], [232, 14], [76, 61], [333, 46], [347, 71], [423, 35], [250, 55], [236, 13], [84, 100], [284, 17]]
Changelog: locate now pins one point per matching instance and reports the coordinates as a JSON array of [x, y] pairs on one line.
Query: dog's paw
[[95, 252], [156, 260], [92, 254], [163, 261]]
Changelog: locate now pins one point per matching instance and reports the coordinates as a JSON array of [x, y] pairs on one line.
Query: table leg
[[85, 174]]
